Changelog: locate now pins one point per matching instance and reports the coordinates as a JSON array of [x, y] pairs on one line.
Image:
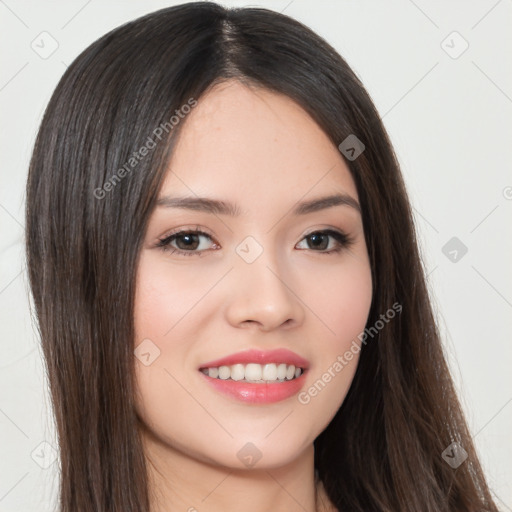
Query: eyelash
[[343, 240]]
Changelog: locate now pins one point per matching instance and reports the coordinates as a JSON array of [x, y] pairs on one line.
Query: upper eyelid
[[196, 231]]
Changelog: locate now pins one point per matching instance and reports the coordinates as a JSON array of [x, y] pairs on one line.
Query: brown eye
[[318, 241], [185, 242], [189, 241]]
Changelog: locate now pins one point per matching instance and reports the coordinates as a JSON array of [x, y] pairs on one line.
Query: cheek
[[341, 300], [350, 305], [339, 296], [162, 400], [164, 297]]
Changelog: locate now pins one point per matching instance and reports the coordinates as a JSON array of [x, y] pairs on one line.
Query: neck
[[179, 481]]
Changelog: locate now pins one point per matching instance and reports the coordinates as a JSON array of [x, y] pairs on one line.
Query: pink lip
[[280, 355], [258, 393]]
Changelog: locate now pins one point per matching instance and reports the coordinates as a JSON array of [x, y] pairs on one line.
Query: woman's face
[[257, 279]]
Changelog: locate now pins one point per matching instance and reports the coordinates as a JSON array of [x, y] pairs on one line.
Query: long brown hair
[[383, 449]]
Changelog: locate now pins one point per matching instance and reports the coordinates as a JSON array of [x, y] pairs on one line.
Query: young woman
[[230, 296]]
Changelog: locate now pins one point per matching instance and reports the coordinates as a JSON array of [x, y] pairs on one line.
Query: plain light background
[[447, 109]]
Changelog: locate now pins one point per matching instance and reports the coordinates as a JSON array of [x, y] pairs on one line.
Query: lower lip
[[258, 393]]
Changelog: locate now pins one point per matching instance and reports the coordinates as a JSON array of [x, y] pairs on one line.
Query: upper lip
[[280, 355]]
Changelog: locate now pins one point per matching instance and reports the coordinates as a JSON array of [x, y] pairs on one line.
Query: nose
[[264, 293]]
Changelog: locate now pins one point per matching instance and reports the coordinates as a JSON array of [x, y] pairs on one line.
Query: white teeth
[[224, 372], [290, 372], [269, 372], [237, 372], [281, 371], [253, 372]]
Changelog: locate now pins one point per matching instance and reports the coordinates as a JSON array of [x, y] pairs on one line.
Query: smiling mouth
[[255, 373]]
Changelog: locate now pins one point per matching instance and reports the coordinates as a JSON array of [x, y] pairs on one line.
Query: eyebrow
[[215, 206]]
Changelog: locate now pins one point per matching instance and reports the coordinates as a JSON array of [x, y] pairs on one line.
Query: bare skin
[[263, 152]]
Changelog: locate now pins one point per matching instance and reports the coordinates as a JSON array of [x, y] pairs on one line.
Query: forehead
[[255, 146]]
